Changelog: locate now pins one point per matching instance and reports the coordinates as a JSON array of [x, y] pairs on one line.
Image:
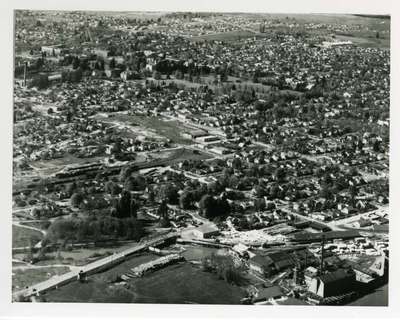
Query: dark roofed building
[[206, 231], [333, 283], [261, 264], [268, 293], [329, 235], [279, 261]]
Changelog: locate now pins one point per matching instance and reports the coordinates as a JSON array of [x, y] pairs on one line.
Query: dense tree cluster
[[125, 207], [95, 229], [224, 267], [211, 207]]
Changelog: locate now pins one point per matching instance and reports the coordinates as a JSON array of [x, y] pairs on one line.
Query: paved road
[[93, 267], [333, 227], [18, 224], [193, 176]]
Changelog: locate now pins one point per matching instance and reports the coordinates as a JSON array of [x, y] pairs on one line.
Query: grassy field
[[365, 41], [170, 129], [225, 36], [169, 157], [35, 224], [21, 237], [153, 125], [180, 283], [186, 154], [78, 256], [66, 160], [26, 277]]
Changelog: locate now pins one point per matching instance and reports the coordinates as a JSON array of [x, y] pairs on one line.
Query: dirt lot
[[151, 127]]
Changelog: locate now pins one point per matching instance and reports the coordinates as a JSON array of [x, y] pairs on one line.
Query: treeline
[[224, 267], [93, 228]]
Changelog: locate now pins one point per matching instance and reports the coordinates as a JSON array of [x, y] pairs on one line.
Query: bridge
[[93, 267]]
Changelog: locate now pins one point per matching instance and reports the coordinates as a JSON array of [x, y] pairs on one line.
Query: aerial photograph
[[200, 158]]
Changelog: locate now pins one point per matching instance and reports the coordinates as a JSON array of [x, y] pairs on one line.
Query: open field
[[225, 36], [170, 129], [171, 157], [64, 161], [79, 256], [180, 283], [22, 237], [330, 18], [365, 41], [27, 277], [151, 127]]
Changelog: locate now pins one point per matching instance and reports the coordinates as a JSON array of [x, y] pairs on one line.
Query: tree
[[259, 204], [124, 205], [63, 229], [224, 267], [186, 199], [326, 192], [169, 193], [76, 199], [129, 184], [222, 207], [75, 63], [156, 75], [260, 191], [151, 196], [112, 188], [376, 146], [71, 188], [162, 211], [133, 208], [215, 187], [274, 191], [112, 63], [91, 190], [125, 173], [206, 205], [280, 174], [212, 208], [178, 74], [236, 163], [41, 81], [353, 192], [36, 213], [75, 75]]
